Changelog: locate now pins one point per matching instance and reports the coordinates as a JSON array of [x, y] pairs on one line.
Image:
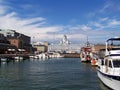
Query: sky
[[49, 20]]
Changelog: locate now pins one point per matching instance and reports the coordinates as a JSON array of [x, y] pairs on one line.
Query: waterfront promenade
[[9, 57]]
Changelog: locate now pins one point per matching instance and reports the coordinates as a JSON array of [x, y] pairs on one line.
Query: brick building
[[5, 46], [21, 41]]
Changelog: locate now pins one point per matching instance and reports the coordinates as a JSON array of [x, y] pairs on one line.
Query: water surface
[[51, 74]]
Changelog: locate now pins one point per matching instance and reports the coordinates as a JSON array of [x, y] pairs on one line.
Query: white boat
[[109, 68], [94, 62], [55, 55], [41, 56], [18, 58], [3, 59], [86, 53]]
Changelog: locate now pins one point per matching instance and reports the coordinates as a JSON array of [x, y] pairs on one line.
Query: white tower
[[64, 41]]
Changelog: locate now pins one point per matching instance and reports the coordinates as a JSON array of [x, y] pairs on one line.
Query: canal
[[51, 74]]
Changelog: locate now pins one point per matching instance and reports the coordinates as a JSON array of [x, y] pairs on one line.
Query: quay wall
[[72, 55], [14, 55]]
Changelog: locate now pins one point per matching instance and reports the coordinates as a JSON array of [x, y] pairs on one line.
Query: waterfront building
[[5, 46], [41, 47], [65, 46], [21, 41], [96, 48]]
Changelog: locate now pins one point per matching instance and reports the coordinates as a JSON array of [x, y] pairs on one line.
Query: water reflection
[[102, 86]]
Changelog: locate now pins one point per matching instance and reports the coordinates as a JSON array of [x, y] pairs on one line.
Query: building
[[5, 46], [97, 48], [21, 41], [64, 41], [41, 47], [65, 46]]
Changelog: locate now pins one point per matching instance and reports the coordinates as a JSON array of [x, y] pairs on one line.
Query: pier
[[9, 57]]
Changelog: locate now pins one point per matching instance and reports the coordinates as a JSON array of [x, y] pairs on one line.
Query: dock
[[9, 57]]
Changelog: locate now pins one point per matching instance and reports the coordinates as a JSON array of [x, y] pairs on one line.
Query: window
[[106, 62], [110, 65], [102, 62], [116, 63]]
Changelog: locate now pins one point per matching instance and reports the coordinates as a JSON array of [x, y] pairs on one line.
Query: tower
[[64, 43], [64, 40]]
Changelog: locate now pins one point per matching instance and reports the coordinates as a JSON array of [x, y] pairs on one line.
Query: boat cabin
[[111, 63]]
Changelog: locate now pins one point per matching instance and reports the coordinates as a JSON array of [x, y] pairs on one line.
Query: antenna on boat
[[88, 44]]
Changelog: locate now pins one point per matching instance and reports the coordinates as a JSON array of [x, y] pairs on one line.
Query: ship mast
[[87, 44]]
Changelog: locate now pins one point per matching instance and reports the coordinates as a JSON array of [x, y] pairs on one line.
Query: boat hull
[[109, 80]]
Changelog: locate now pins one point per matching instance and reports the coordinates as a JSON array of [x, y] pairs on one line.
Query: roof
[[117, 39]]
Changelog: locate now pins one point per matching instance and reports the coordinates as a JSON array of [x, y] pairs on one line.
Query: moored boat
[[86, 54], [3, 59], [94, 62], [109, 68]]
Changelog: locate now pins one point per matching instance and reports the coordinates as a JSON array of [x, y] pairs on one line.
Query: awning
[[11, 50], [21, 50]]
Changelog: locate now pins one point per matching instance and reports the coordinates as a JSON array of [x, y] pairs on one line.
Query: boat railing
[[115, 48]]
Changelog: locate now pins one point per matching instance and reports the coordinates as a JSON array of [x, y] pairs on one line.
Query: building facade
[[5, 46], [21, 41], [41, 47]]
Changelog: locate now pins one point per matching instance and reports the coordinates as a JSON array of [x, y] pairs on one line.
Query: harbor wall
[[71, 55]]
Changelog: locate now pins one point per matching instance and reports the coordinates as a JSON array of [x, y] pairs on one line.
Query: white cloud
[[114, 22], [27, 26], [96, 24], [105, 7], [85, 28], [36, 26], [103, 19]]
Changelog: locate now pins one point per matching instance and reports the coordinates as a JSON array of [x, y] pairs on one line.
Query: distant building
[[97, 48], [41, 46], [64, 40], [65, 46]]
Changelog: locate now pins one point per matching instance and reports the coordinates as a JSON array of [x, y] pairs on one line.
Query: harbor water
[[51, 74]]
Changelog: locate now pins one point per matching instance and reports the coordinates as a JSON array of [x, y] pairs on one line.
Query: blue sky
[[49, 20]]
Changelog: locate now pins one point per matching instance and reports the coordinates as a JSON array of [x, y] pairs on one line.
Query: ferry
[[86, 54], [109, 67]]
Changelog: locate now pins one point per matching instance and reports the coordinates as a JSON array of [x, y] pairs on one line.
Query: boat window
[[106, 62], [110, 65], [116, 63], [102, 62]]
